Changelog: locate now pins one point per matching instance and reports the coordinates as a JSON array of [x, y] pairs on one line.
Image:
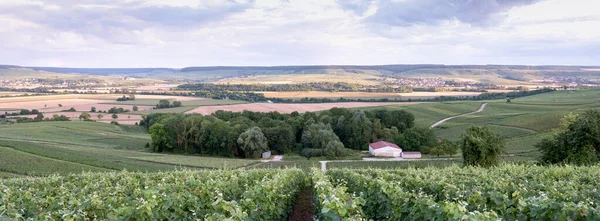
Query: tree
[[159, 137], [115, 116], [135, 108], [93, 109], [163, 104], [59, 105], [481, 147], [417, 139], [39, 117], [334, 149], [577, 144], [508, 100], [100, 116], [281, 138], [85, 116], [358, 131], [176, 103], [253, 142], [448, 147], [444, 147]]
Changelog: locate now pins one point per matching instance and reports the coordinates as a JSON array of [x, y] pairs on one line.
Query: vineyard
[[180, 195], [508, 192]]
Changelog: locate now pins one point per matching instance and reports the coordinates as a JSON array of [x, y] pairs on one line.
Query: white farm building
[[383, 148]]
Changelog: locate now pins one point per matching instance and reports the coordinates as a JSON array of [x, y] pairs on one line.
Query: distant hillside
[[364, 74], [104, 71]]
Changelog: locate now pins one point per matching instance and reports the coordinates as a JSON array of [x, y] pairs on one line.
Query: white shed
[[411, 155], [383, 148]]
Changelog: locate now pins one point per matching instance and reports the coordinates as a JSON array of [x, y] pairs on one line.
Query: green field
[[45, 148], [430, 112], [75, 146], [524, 121]]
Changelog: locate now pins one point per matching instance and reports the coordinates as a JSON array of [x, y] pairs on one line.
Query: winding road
[[481, 108]]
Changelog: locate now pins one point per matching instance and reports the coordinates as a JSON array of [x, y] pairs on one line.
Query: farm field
[[87, 146], [364, 95], [524, 121], [289, 108], [49, 105], [328, 75]]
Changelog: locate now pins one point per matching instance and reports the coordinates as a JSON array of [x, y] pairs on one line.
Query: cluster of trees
[[315, 86], [327, 133], [167, 104], [115, 110], [72, 109], [22, 112], [130, 97], [40, 118], [575, 141]]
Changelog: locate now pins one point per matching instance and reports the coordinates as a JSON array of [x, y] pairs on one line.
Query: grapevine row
[[181, 195], [508, 192]]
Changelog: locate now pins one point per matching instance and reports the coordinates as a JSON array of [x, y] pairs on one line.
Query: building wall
[[386, 151]]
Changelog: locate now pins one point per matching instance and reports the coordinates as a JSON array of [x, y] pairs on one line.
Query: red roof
[[382, 144]]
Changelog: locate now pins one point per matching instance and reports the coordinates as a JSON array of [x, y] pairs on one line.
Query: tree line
[[314, 86], [258, 97], [247, 134]]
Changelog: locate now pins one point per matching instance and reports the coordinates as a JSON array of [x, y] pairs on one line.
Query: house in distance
[[387, 149]]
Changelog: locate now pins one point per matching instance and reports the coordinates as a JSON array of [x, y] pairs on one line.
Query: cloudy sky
[[180, 33]]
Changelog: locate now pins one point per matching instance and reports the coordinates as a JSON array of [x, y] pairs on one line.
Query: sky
[[181, 33]]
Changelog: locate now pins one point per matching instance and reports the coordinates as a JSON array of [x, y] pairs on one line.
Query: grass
[[81, 156], [88, 134], [197, 161], [38, 149], [430, 112], [17, 162], [525, 121]]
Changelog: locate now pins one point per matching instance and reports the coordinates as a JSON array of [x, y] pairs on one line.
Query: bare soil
[[304, 209]]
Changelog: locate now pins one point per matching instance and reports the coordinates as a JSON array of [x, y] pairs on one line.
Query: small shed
[[411, 155], [386, 149], [266, 155]]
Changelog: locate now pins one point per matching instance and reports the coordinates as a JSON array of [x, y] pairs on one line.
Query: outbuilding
[[386, 149], [411, 155]]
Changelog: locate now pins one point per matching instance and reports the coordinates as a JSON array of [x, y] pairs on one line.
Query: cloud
[[179, 33], [432, 12], [117, 21]]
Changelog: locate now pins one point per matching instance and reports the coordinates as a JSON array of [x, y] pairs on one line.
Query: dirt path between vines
[[304, 209]]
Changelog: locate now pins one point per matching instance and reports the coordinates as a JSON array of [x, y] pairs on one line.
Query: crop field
[[333, 76], [181, 195], [289, 108], [508, 192], [364, 95], [49, 105], [87, 146], [524, 121], [427, 113]]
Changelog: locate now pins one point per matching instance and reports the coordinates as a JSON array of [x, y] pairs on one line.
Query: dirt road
[[481, 108]]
